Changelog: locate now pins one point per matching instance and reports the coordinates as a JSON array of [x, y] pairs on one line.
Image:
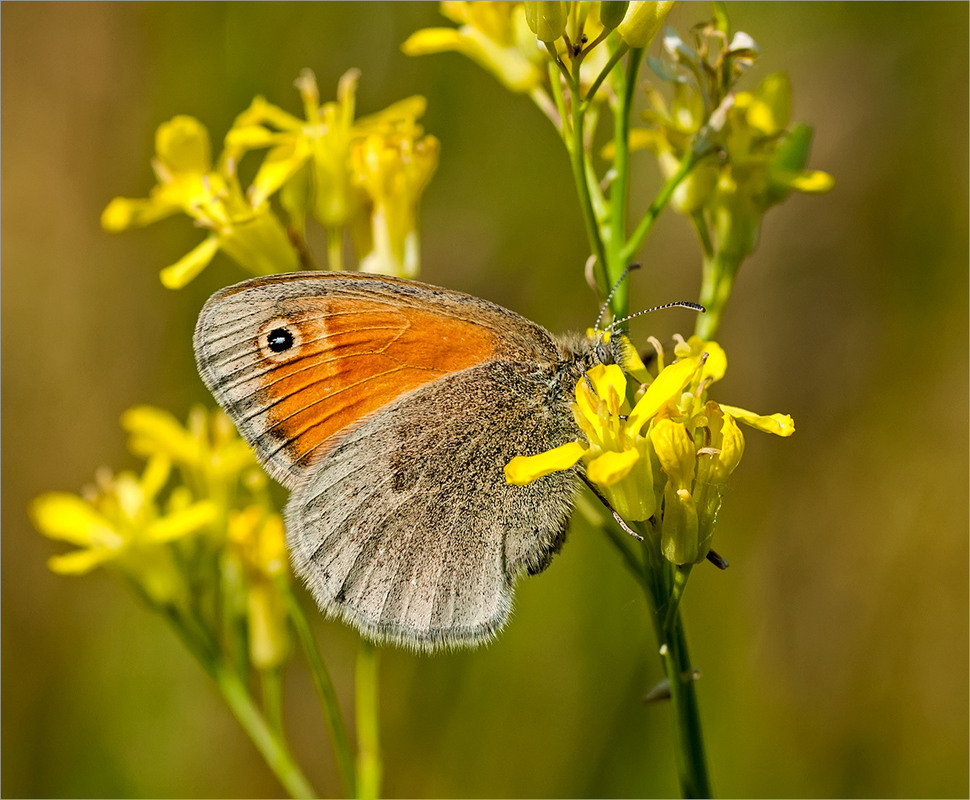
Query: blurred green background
[[834, 651]]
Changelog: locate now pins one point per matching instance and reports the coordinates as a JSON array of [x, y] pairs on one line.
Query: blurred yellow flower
[[258, 543], [394, 171], [496, 35], [365, 175], [207, 445], [121, 525], [248, 233]]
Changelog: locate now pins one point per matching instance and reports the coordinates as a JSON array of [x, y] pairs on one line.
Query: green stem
[[575, 144], [620, 189], [604, 73], [327, 694], [659, 204], [664, 584], [272, 747], [692, 763], [717, 281], [271, 680], [369, 765]]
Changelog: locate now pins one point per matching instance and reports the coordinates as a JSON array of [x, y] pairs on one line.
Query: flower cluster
[[514, 40], [362, 177], [668, 454], [203, 547], [761, 160]]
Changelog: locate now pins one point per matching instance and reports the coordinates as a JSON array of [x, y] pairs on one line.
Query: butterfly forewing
[[295, 371]]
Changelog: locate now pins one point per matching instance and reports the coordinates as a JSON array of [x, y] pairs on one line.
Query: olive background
[[833, 652]]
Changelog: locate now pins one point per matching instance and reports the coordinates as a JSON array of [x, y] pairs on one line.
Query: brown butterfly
[[390, 408]]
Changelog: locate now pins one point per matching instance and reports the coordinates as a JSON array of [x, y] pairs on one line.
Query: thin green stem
[[555, 85], [343, 754], [615, 56], [272, 747], [678, 582], [271, 682], [703, 233], [717, 281], [664, 584], [692, 762], [625, 84], [659, 204], [369, 763], [577, 161]]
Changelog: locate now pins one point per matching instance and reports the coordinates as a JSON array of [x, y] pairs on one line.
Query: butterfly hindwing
[[408, 529]]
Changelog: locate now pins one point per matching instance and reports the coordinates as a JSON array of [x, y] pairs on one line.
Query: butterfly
[[389, 408]]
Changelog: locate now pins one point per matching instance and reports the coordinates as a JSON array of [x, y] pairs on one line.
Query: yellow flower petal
[[675, 449], [79, 562], [807, 181], [68, 518], [770, 108], [525, 469], [666, 387], [429, 41], [611, 466], [177, 275], [715, 365], [183, 144], [251, 137], [154, 431], [402, 112], [609, 383], [732, 447], [507, 63], [122, 213], [182, 523], [279, 165], [778, 424]]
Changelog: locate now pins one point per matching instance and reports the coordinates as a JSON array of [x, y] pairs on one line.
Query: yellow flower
[[671, 454], [258, 543], [496, 35], [394, 171], [763, 161], [122, 526], [208, 445], [187, 182], [365, 175]]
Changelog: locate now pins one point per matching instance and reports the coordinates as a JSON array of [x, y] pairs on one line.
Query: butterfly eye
[[603, 354], [280, 340]]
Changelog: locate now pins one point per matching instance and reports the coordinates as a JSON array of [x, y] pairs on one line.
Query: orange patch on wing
[[355, 357]]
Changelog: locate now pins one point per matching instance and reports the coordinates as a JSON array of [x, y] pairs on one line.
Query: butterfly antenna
[[676, 304], [606, 302]]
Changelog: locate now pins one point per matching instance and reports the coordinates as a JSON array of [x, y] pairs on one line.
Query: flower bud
[[612, 12], [547, 20], [642, 21]]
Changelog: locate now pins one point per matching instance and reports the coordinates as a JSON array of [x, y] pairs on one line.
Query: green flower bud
[[547, 20], [678, 535], [612, 12]]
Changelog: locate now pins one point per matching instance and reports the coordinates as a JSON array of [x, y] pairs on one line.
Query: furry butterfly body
[[390, 408]]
